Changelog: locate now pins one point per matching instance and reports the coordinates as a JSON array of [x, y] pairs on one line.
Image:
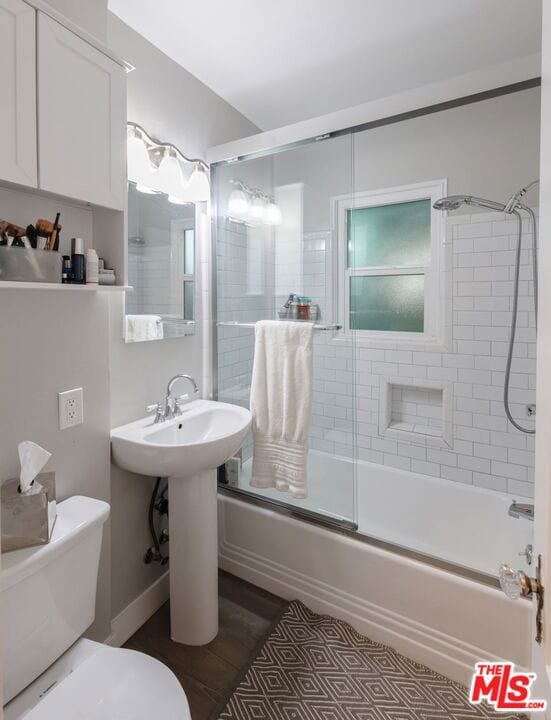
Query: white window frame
[[178, 228], [434, 298]]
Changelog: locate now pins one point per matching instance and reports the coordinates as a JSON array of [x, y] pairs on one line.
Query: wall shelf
[[65, 287]]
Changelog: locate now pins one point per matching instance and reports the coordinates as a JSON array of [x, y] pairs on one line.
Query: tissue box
[[27, 519]]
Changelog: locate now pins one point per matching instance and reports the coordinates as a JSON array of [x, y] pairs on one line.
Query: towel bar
[[250, 325]]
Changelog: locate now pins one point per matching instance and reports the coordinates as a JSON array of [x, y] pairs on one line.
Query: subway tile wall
[[487, 451], [149, 273]]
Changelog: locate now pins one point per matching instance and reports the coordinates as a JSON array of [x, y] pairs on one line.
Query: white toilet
[[47, 601]]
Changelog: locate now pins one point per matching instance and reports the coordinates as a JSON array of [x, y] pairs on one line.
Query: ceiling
[[281, 61]]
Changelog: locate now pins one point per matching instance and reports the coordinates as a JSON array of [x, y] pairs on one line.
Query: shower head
[[453, 202]]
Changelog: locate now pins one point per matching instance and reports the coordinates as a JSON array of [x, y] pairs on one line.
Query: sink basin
[[187, 450], [203, 437]]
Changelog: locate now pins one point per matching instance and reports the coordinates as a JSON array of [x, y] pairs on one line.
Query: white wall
[[174, 106], [53, 341], [488, 148]]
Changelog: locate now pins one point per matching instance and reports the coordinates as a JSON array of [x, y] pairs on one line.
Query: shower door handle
[[516, 584]]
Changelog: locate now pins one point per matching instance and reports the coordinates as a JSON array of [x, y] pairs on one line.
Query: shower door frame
[[318, 518]]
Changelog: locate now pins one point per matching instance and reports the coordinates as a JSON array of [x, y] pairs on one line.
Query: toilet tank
[[48, 593]]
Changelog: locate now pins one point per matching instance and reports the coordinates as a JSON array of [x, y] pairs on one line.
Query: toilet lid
[[115, 684]]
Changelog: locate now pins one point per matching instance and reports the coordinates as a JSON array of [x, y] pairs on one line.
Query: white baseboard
[[129, 620]]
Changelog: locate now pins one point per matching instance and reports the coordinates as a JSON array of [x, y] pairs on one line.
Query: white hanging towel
[[143, 327], [281, 404]]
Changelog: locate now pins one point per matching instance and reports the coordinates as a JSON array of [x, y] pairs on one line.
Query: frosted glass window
[[390, 255], [389, 235], [387, 302]]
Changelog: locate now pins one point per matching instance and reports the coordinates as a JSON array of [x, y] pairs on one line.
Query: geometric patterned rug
[[314, 667]]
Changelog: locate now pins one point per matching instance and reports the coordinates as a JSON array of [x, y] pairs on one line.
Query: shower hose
[[529, 431]]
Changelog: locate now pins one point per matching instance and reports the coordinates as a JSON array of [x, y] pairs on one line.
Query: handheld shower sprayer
[[513, 206]]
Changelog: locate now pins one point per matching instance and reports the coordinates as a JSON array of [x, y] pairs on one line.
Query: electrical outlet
[[71, 410]]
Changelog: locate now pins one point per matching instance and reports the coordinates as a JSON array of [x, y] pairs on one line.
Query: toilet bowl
[[96, 682], [47, 599]]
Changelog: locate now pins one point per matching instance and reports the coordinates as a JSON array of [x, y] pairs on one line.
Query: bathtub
[[463, 525], [418, 574]]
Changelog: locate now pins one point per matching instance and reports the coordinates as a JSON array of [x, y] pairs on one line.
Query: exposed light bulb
[[198, 187], [239, 203], [272, 214]]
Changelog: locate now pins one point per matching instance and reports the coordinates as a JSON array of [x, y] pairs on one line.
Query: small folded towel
[[281, 403], [143, 327]]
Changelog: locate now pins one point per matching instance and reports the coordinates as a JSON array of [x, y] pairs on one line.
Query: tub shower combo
[[424, 304]]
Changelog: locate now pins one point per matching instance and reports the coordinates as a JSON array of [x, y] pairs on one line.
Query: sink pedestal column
[[193, 529]]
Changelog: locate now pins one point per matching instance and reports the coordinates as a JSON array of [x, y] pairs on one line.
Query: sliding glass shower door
[[275, 226]]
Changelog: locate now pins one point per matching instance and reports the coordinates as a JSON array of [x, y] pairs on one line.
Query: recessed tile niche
[[416, 411]]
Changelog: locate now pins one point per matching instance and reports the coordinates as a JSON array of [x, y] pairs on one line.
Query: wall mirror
[[165, 190], [161, 267]]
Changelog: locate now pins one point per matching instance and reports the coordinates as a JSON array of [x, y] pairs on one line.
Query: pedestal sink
[[187, 450]]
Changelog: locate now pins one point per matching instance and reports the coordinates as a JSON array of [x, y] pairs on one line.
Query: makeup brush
[[11, 229], [44, 228], [32, 235], [54, 240]]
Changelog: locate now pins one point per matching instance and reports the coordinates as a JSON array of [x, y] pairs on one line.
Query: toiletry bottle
[[303, 308], [314, 312], [285, 312], [66, 271], [92, 267], [78, 271]]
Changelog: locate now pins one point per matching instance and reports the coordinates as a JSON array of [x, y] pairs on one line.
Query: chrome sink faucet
[[171, 407]]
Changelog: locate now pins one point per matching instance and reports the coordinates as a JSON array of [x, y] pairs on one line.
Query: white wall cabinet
[[18, 161], [81, 118]]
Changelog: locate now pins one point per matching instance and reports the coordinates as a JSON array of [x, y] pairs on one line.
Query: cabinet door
[[17, 93], [81, 118]]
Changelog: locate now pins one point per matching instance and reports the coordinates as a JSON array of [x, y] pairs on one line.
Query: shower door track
[[319, 518], [350, 530]]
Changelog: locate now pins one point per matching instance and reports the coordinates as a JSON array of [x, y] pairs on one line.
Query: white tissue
[[32, 458]]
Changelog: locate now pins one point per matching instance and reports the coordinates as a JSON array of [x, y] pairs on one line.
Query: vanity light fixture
[[169, 178], [139, 166], [252, 206], [239, 203], [272, 214], [198, 186], [157, 167], [257, 208]]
